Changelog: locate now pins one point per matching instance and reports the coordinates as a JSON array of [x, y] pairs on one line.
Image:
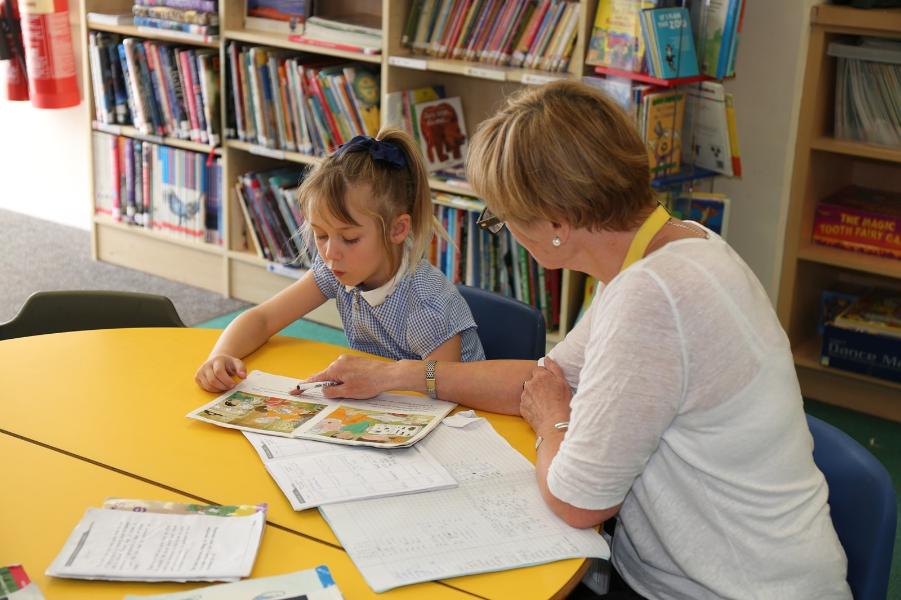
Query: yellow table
[[45, 493], [119, 398]]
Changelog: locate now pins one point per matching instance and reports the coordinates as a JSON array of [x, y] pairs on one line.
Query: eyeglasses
[[489, 221]]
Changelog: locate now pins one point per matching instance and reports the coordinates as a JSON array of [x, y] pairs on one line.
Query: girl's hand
[[355, 377], [545, 398], [218, 372]]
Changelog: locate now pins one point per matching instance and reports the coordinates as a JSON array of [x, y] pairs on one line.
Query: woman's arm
[[252, 329], [492, 385]]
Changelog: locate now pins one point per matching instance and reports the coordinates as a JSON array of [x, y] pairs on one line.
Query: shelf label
[[485, 73], [419, 64], [267, 152], [538, 78]]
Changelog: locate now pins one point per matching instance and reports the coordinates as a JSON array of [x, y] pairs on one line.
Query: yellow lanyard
[[651, 226]]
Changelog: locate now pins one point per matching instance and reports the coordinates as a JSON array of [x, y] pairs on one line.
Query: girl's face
[[356, 253]]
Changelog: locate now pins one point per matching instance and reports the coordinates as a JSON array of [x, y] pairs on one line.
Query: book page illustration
[[264, 413], [348, 423]]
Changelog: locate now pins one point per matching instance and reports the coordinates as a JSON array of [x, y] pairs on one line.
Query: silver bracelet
[[562, 426]]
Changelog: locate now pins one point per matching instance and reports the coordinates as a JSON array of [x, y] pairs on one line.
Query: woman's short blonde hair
[[562, 152]]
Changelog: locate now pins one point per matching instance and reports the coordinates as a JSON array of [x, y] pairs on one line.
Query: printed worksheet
[[262, 404], [125, 545], [494, 520], [311, 584]]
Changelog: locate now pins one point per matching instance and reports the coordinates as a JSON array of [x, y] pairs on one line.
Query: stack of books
[[860, 219], [170, 190], [865, 337], [290, 102], [272, 217], [522, 33], [355, 32], [280, 16], [196, 19], [159, 88], [146, 540]]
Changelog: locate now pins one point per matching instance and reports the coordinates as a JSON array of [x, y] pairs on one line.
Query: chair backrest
[[53, 312], [863, 507], [507, 327]]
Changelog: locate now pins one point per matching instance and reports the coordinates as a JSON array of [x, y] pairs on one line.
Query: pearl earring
[[556, 241]]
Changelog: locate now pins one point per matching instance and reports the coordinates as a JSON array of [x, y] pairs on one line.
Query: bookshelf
[[823, 165], [233, 269]]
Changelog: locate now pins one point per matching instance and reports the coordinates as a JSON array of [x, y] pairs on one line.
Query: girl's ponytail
[[418, 194]]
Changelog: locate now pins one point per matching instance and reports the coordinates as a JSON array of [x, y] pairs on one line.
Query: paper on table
[[496, 519], [461, 419], [141, 546], [262, 404], [314, 473], [312, 584]]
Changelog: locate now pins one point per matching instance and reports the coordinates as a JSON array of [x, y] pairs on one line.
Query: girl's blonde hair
[[395, 191], [562, 152]]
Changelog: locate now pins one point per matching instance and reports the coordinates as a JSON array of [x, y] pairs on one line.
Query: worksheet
[[312, 473], [494, 520], [262, 403], [124, 545], [311, 584]]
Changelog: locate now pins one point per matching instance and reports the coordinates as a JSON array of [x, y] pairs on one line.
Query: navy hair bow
[[378, 149]]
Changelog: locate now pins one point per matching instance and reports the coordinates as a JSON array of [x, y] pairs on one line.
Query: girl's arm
[[492, 385], [252, 329]]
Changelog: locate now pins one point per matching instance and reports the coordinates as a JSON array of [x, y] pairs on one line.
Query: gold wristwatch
[[430, 379]]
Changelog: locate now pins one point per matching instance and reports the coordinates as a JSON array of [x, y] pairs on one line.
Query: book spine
[[180, 15], [863, 353], [199, 5], [237, 96], [858, 230]]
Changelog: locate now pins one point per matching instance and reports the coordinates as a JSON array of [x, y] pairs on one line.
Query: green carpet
[[882, 438], [307, 330]]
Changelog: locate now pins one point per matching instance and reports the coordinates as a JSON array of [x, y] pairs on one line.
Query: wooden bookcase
[[235, 271], [823, 165]]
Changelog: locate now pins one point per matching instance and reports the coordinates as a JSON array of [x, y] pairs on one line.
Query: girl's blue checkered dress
[[423, 311]]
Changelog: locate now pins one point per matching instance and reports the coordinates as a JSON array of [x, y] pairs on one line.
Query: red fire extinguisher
[[12, 53], [49, 58]]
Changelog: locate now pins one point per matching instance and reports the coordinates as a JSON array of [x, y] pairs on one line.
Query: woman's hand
[[218, 372], [545, 398], [356, 377]]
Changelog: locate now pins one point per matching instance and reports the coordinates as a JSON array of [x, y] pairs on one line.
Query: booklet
[[130, 543], [312, 474], [15, 584], [262, 404], [312, 584]]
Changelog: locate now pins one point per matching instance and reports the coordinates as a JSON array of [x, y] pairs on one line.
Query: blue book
[[863, 353], [670, 44]]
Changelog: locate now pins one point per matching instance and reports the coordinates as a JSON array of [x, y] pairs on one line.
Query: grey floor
[[39, 255]]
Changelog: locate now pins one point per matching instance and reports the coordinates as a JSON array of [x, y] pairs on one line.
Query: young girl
[[369, 208]]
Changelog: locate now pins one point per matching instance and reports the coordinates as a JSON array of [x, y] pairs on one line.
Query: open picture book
[[262, 404]]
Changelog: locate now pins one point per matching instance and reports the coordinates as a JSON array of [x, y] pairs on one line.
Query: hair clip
[[380, 150]]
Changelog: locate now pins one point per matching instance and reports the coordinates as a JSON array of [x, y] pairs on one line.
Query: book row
[[522, 33], [619, 41], [701, 117], [298, 103], [197, 19], [170, 190], [159, 88]]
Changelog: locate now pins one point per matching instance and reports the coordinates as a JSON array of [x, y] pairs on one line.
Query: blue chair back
[[507, 327], [863, 507]]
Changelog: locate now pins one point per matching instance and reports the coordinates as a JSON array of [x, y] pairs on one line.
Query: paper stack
[[312, 584], [134, 540]]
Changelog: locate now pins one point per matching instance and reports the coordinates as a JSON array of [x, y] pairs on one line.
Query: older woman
[[673, 404]]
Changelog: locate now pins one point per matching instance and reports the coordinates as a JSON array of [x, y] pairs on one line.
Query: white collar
[[377, 296]]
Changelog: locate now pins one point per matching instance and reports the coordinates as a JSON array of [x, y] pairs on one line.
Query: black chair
[[53, 312], [507, 327], [862, 506]]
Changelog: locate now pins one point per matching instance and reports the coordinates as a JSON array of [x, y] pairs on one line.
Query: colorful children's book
[[709, 209], [311, 584], [616, 39], [667, 36], [442, 132], [262, 404], [875, 313], [663, 118]]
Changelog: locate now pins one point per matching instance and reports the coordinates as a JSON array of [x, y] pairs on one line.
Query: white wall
[[767, 87], [43, 156]]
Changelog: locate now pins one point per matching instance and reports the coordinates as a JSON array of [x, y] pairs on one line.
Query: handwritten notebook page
[[495, 520]]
